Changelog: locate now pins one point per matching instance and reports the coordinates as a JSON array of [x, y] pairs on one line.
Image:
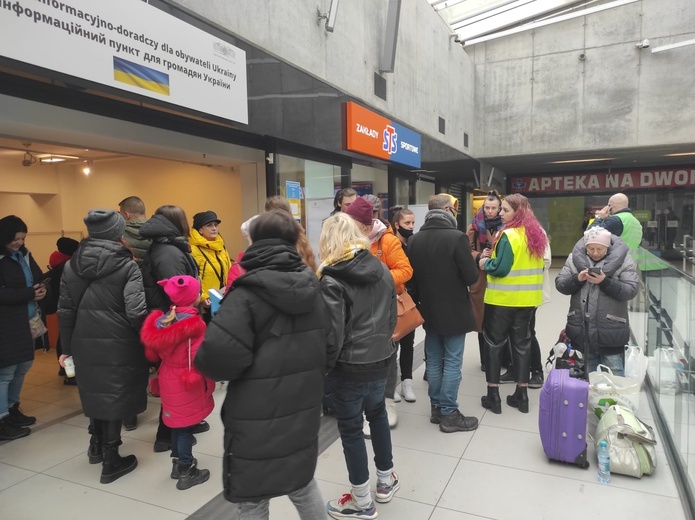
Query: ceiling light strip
[[673, 46], [459, 23], [534, 25]]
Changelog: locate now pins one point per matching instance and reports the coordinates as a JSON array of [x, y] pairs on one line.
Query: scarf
[[348, 253], [484, 226]]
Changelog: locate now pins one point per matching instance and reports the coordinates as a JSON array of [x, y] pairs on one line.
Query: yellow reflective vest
[[523, 286]]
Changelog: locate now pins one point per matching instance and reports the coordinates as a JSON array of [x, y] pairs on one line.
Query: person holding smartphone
[[601, 278]]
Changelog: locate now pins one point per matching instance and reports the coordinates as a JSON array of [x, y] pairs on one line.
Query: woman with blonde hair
[[358, 291]]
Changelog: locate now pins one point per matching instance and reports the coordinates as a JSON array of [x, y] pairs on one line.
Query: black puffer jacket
[[360, 297], [443, 270], [101, 308], [269, 341], [16, 343], [169, 255], [599, 310]]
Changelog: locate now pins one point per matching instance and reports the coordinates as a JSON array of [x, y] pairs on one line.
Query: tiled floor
[[498, 471]]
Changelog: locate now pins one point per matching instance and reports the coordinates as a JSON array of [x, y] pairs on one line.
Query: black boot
[[191, 476], [95, 452], [10, 432], [519, 399], [175, 471], [17, 418], [115, 466], [492, 400]]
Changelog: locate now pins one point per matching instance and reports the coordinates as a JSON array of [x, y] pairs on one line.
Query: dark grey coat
[[269, 341], [598, 316], [443, 270], [101, 308], [16, 343]]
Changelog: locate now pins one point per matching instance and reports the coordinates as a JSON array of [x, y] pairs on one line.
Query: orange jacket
[[393, 255]]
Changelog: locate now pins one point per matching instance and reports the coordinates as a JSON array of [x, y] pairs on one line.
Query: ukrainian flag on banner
[[144, 77]]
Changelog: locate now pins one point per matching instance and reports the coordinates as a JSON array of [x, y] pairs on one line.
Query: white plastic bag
[[606, 390], [635, 363], [663, 371]]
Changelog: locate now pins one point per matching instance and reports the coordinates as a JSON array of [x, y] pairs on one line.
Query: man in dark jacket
[[443, 269], [269, 341], [132, 209], [101, 308]]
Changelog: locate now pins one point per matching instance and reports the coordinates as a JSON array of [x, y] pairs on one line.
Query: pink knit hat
[[183, 291], [597, 235], [361, 210]]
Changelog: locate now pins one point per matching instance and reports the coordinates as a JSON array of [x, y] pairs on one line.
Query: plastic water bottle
[[604, 463]]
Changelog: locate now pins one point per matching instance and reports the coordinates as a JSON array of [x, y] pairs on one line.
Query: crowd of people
[[293, 338]]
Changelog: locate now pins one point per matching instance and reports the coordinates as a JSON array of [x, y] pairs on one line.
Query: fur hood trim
[[166, 339]]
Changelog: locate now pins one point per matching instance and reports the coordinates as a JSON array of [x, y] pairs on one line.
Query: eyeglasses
[[452, 210]]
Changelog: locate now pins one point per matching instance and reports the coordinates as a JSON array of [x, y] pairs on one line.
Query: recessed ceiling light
[[582, 160], [679, 154]]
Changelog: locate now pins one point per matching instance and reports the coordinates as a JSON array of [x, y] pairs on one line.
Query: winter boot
[[519, 399], [191, 476], [95, 452], [10, 432], [175, 471], [17, 418], [492, 400], [114, 466]]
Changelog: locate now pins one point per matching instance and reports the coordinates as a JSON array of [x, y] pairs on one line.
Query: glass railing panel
[[665, 326]]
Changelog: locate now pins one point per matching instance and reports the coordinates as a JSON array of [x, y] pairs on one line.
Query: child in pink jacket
[[186, 394]]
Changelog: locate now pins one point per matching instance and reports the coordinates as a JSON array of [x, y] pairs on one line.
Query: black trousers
[[500, 324]]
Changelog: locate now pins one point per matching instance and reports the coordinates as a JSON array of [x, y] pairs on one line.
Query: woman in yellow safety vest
[[514, 290]]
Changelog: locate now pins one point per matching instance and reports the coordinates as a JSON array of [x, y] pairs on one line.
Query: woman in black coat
[[169, 255], [268, 340], [101, 308], [20, 291]]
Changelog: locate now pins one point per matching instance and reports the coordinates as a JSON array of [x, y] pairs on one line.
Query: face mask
[[405, 233]]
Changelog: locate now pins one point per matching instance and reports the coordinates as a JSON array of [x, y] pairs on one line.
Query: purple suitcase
[[562, 417]]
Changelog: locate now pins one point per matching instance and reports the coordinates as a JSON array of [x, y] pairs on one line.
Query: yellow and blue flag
[[140, 76]]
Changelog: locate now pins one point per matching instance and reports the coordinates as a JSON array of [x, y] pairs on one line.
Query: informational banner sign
[[680, 177], [128, 45], [293, 194], [372, 134]]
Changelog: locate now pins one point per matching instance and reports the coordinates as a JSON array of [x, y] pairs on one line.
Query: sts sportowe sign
[[371, 134], [680, 177]]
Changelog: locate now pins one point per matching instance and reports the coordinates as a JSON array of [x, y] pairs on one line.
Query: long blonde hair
[[339, 233]]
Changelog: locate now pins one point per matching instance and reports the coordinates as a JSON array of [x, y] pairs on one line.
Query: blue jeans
[[11, 381], [613, 361], [351, 399], [182, 444], [443, 366], [307, 500]]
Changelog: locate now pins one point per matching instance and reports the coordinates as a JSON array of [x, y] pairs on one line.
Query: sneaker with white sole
[[407, 390], [391, 412], [367, 430], [346, 507], [385, 491], [396, 397]]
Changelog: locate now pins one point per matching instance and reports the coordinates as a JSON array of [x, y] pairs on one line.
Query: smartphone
[[594, 270], [45, 282]]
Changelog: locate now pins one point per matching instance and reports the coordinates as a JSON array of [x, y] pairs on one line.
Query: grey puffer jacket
[[101, 309], [599, 310], [168, 255], [360, 297]]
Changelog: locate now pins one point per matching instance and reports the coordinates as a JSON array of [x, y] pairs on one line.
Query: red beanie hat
[[361, 210], [183, 291]]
